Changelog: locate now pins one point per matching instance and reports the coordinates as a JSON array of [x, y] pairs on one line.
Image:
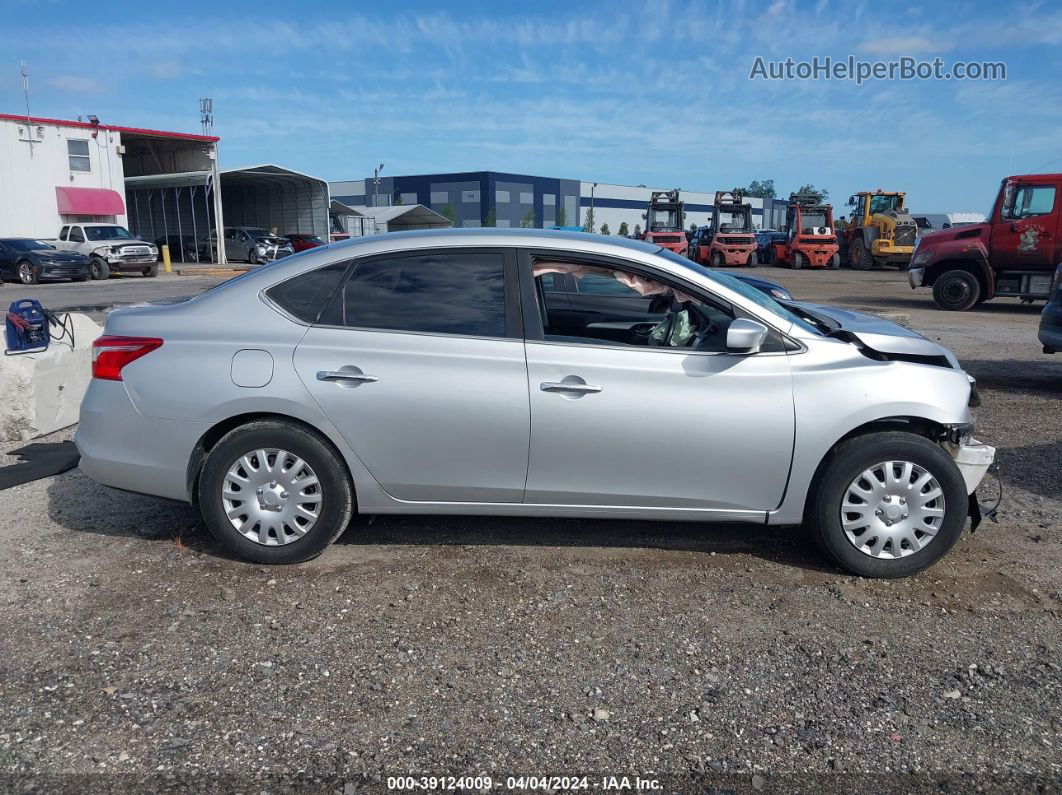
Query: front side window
[[1030, 200], [650, 314], [76, 235], [78, 154], [434, 293], [881, 204], [305, 296]]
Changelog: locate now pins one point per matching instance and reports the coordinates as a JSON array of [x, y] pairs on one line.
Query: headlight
[[921, 259]]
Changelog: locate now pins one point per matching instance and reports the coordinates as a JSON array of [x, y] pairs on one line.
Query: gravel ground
[[135, 655]]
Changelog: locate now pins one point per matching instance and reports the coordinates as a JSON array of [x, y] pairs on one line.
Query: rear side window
[[436, 293], [63, 231], [305, 296]]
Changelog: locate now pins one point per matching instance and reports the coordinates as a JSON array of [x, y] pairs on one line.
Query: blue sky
[[652, 92]]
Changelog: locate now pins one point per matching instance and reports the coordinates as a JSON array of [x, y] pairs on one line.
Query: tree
[[624, 230], [758, 189], [450, 214], [492, 217], [822, 193], [528, 221], [562, 217], [588, 222], [638, 231], [604, 229]]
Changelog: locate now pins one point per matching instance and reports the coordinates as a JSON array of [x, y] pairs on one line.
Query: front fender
[[836, 390], [969, 253]]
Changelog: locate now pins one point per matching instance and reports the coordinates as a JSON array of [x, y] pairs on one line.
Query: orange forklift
[[812, 241], [663, 221], [733, 241]]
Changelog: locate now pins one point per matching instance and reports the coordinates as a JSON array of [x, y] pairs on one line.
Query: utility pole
[[376, 184], [206, 118], [29, 123], [592, 220]]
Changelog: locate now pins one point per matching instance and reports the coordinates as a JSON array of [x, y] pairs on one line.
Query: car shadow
[[77, 503], [1042, 375]]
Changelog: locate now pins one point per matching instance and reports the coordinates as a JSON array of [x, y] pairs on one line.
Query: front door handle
[[345, 375], [561, 386]]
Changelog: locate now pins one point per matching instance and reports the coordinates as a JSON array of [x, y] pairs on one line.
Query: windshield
[[730, 221], [255, 231], [664, 220], [810, 221], [28, 245], [743, 289], [880, 204], [107, 233]]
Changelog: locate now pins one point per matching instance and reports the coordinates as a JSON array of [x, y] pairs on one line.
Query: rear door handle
[[345, 375], [561, 386]]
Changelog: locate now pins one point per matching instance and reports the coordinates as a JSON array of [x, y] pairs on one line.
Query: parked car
[[436, 373], [301, 242], [765, 238], [1051, 319], [252, 244], [29, 261], [183, 248], [109, 248]]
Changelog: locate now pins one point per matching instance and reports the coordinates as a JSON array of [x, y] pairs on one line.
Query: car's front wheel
[[27, 272], [888, 505], [99, 269], [273, 492], [956, 290]]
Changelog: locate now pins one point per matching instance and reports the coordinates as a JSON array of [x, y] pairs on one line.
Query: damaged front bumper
[[973, 458]]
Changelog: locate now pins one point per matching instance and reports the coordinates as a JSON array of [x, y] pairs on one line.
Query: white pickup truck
[[109, 248]]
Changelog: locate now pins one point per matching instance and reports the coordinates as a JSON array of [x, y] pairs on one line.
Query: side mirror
[[745, 336]]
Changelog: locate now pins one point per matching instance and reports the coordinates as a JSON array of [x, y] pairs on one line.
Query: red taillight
[[110, 354]]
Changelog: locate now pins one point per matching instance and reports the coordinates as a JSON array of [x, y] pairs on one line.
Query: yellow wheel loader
[[880, 231]]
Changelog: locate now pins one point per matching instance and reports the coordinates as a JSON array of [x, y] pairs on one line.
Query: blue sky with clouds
[[651, 92]]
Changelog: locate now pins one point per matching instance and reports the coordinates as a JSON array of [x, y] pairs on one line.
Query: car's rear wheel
[[273, 492], [888, 505], [99, 269], [956, 290], [150, 272], [27, 272]]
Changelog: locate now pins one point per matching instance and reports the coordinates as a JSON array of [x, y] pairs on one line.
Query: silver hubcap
[[271, 496], [892, 509], [25, 271]]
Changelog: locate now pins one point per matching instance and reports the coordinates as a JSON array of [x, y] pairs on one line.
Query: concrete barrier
[[41, 392]]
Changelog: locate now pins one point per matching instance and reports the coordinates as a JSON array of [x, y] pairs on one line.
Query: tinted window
[[75, 235], [596, 284], [62, 232], [305, 296], [445, 293]]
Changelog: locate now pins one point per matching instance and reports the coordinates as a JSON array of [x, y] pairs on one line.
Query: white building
[[54, 172]]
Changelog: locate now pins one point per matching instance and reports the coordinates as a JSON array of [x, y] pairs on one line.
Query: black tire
[[717, 260], [99, 269], [772, 256], [798, 261], [862, 259], [751, 261], [27, 272], [956, 290], [823, 517], [150, 272], [252, 257], [835, 262], [337, 505]]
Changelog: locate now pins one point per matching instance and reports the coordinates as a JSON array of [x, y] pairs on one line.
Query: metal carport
[[273, 197], [362, 220]]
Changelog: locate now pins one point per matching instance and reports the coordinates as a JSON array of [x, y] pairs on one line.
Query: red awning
[[89, 201]]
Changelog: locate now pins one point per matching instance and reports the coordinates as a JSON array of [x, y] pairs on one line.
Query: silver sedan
[[526, 373]]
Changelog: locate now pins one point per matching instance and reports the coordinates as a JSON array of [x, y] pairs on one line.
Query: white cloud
[[75, 84], [904, 45]]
